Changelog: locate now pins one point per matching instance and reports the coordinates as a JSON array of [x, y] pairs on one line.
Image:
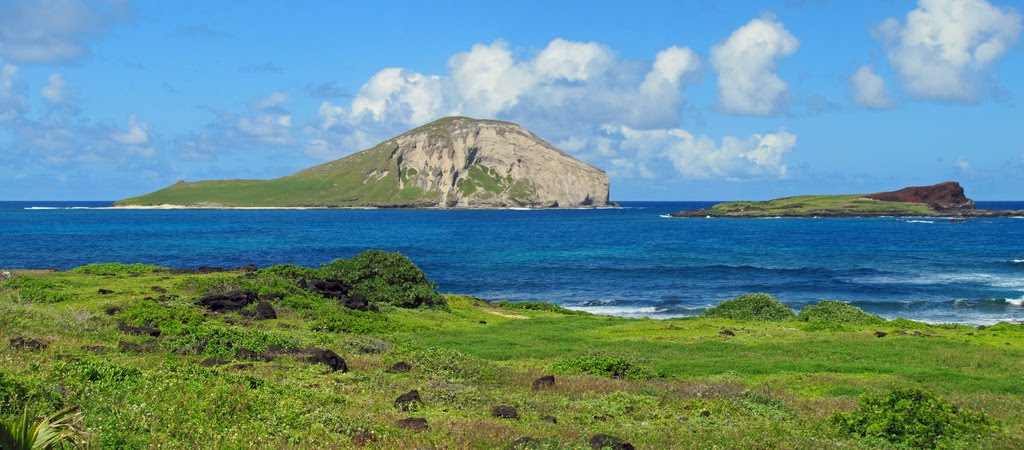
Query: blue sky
[[676, 100]]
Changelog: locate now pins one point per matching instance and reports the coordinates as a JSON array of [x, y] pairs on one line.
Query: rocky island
[[455, 162], [940, 200]]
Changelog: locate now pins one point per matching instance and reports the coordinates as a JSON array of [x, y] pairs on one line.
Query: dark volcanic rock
[[250, 355], [409, 400], [265, 311], [942, 196], [147, 346], [139, 331], [505, 412], [357, 301], [726, 333], [328, 288], [269, 297], [248, 268], [362, 438], [413, 424], [231, 301], [158, 290], [27, 344], [400, 367], [545, 381], [881, 334], [604, 441], [102, 291], [111, 310], [549, 418], [327, 358], [215, 361]]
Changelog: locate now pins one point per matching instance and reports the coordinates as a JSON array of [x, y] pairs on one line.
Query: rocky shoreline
[[830, 214]]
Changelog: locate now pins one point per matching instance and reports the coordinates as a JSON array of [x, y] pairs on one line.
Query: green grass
[[810, 205], [678, 383]]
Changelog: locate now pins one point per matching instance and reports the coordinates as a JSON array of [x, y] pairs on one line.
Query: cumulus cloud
[[12, 95], [54, 90], [137, 133], [944, 48], [48, 31], [701, 158], [963, 165], [745, 63], [867, 89], [568, 89], [269, 123]]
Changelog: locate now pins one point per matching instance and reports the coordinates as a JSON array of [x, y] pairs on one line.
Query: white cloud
[[399, 95], [47, 31], [12, 98], [137, 133], [573, 61], [945, 47], [963, 165], [274, 100], [488, 79], [701, 158], [868, 89], [745, 63], [54, 88], [268, 123]]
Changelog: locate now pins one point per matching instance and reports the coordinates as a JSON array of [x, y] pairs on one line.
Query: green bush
[[535, 306], [35, 290], [387, 278], [835, 311], [117, 269], [911, 417], [762, 307], [606, 366]]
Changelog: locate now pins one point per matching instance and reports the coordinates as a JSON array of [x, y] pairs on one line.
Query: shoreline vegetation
[[365, 353]]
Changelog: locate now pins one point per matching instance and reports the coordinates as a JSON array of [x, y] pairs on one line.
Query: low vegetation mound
[[760, 307], [607, 366], [912, 417], [112, 269], [836, 311], [29, 289]]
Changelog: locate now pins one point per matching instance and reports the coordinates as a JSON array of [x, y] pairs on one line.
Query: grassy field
[[227, 380], [810, 205]]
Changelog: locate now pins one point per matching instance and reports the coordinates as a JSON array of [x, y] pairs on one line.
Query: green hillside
[[819, 205], [150, 364]]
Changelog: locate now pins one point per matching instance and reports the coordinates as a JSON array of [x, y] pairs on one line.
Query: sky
[[694, 100]]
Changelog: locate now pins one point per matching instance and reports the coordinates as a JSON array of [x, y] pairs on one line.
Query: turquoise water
[[629, 261]]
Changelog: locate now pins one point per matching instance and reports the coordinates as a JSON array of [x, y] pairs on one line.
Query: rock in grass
[[409, 400], [231, 301], [400, 367], [265, 311], [214, 361], [549, 418], [726, 333], [604, 441], [759, 307], [111, 310], [158, 290], [505, 412], [546, 381], [143, 347], [327, 358], [21, 343], [139, 331], [363, 438], [414, 424], [102, 291], [881, 334]]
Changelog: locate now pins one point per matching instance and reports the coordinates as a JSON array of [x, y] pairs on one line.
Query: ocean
[[632, 261]]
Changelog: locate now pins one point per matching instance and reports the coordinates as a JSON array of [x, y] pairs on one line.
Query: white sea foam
[[627, 311], [665, 216], [42, 207], [1017, 261], [1016, 301], [920, 221]]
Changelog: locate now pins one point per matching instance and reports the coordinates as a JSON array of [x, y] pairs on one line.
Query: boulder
[[210, 362], [505, 412], [604, 441], [409, 400], [546, 381], [102, 291], [231, 301], [881, 334], [139, 331], [327, 358], [400, 367], [413, 424], [549, 418], [265, 311], [726, 333], [22, 343]]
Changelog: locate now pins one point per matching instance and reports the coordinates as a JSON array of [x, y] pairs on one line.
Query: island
[[454, 162], [941, 200]]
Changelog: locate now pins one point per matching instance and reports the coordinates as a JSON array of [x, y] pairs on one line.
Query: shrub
[[388, 278], [761, 307], [35, 290], [835, 311], [606, 366], [117, 269], [911, 417], [535, 306]]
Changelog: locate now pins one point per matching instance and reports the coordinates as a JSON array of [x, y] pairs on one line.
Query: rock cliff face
[[453, 162], [462, 162], [942, 196]]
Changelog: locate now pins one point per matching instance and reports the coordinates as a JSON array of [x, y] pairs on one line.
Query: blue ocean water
[[629, 261]]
